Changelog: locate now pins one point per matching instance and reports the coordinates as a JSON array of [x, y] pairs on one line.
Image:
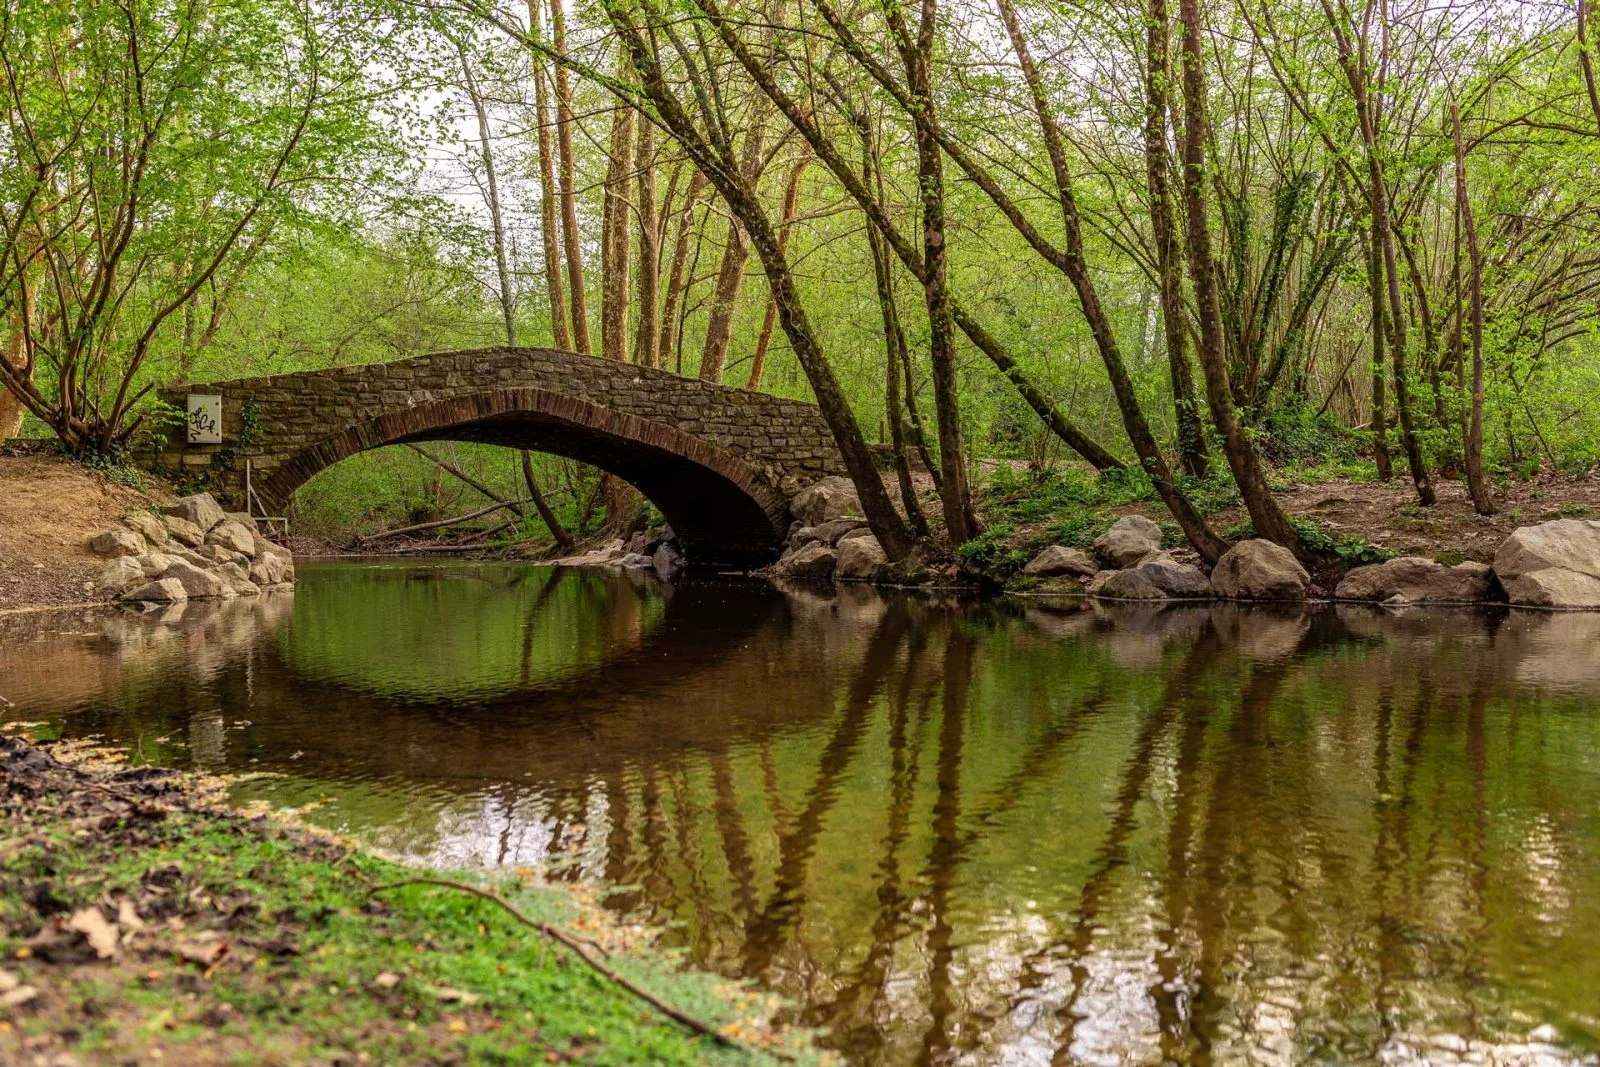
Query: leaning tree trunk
[[671, 342], [1477, 484], [560, 331], [1243, 460], [1192, 452], [647, 341], [791, 200], [730, 275], [578, 303]]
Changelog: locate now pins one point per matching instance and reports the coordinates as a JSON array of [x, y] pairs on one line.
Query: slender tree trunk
[[508, 296], [730, 275], [1380, 415], [791, 201], [1477, 484], [647, 341], [11, 406], [1193, 455], [560, 330], [615, 277], [553, 524], [578, 304], [1586, 62], [738, 192], [961, 522], [671, 342], [1243, 460], [894, 344]]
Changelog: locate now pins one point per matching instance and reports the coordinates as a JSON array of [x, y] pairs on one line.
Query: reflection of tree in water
[[954, 835]]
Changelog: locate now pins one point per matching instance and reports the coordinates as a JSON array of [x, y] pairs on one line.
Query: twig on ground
[[577, 945]]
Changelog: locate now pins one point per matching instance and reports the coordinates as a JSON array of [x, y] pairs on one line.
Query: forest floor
[[142, 921]]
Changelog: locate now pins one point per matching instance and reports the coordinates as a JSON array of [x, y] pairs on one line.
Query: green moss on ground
[[243, 942]]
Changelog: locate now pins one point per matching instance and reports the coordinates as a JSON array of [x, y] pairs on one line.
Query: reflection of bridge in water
[[1000, 834], [719, 462]]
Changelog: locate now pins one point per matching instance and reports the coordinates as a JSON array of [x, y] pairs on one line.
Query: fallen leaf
[[386, 980], [452, 996], [101, 934], [205, 953], [127, 917], [457, 1026], [8, 981]]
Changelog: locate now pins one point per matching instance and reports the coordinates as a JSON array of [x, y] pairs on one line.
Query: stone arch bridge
[[721, 463]]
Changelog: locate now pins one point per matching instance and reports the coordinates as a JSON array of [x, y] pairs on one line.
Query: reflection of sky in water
[[993, 834]]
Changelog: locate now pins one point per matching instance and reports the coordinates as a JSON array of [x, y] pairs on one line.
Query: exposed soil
[[49, 508]]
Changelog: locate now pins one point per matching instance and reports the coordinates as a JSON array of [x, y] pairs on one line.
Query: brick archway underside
[[724, 512]]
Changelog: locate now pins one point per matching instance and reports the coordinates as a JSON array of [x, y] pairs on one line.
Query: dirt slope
[[49, 508]]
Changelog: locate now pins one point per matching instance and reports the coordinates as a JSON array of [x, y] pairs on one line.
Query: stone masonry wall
[[786, 442]]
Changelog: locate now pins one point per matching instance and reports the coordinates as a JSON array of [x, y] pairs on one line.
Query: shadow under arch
[[723, 510]]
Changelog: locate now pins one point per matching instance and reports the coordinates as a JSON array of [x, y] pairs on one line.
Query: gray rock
[[201, 509], [801, 535], [1179, 581], [115, 542], [833, 531], [1130, 539], [183, 531], [636, 543], [238, 580], [860, 559], [860, 531], [1058, 560], [120, 575], [1418, 580], [1098, 582], [234, 536], [830, 498], [636, 561], [815, 560], [1259, 570], [267, 570], [146, 525], [198, 584], [154, 564], [243, 518], [215, 553], [160, 591], [1552, 565], [1129, 584], [667, 560]]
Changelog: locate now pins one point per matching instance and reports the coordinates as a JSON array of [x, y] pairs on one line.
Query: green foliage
[[992, 555], [1354, 549], [1574, 510]]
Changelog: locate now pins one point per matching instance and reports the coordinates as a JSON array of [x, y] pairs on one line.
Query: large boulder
[[238, 580], [830, 498], [1129, 540], [154, 564], [234, 536], [201, 509], [117, 541], [267, 570], [214, 553], [1128, 584], [198, 584], [1179, 581], [860, 559], [834, 530], [146, 525], [1059, 560], [667, 560], [1552, 565], [814, 560], [1417, 579], [183, 531], [1259, 570], [120, 575], [160, 591]]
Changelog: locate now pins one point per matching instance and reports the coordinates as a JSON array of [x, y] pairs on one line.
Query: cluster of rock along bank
[[1553, 565], [192, 550], [654, 549]]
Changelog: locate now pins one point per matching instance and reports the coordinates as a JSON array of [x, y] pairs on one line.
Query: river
[[952, 831]]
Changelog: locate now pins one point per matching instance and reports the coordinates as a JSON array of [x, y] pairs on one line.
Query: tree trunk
[[1193, 455], [11, 406], [560, 330], [508, 298], [615, 279], [894, 344], [553, 524], [961, 522], [1380, 414], [730, 275], [647, 342], [1477, 484], [738, 192], [1270, 521], [671, 342], [791, 200], [578, 304], [1586, 62]]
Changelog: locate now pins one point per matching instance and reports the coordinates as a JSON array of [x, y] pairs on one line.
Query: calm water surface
[[973, 833]]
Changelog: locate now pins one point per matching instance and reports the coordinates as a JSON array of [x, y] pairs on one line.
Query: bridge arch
[[722, 508]]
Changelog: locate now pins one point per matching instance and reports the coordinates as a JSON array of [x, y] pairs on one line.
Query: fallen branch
[[577, 945], [441, 522], [449, 468]]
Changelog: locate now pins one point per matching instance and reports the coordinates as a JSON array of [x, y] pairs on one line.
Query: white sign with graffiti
[[205, 420]]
